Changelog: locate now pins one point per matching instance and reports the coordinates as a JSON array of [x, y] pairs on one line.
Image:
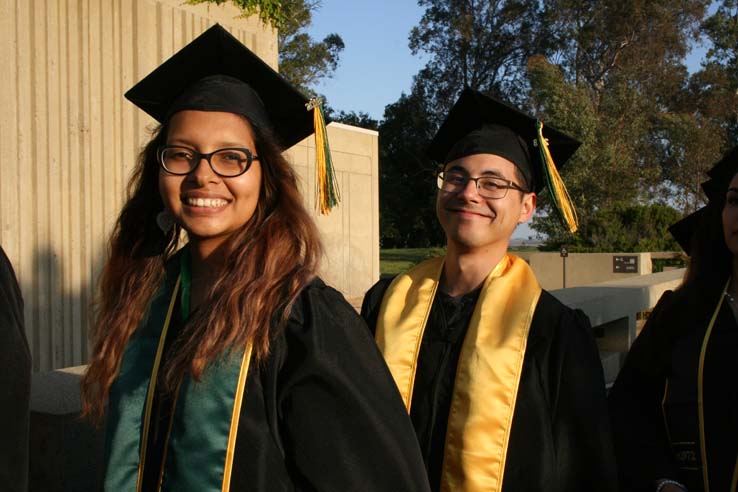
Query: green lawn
[[394, 261]]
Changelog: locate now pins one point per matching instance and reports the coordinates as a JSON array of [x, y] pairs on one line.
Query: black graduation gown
[[560, 437], [669, 347], [322, 413], [15, 383]]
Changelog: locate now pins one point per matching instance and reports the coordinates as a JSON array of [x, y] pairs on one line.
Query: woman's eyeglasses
[[228, 163]]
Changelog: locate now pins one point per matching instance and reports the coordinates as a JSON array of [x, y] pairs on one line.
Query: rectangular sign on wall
[[625, 264]]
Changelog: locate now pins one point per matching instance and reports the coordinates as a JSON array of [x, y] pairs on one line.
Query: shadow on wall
[[57, 297], [66, 452]]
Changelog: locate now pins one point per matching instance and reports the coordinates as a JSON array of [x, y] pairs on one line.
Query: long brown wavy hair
[[267, 263]]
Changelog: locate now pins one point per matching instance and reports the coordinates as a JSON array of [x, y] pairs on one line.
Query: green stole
[[489, 368], [200, 442]]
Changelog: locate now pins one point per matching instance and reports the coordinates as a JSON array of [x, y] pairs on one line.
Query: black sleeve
[[580, 421], [372, 302], [15, 383], [641, 445], [344, 426]]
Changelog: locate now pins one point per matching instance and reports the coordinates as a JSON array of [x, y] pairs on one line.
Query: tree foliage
[[611, 73], [722, 30], [702, 123], [270, 11], [719, 75], [477, 43], [360, 119], [625, 228], [623, 63], [302, 60], [407, 182]]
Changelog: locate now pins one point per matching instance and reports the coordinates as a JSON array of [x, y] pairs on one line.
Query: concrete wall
[[68, 140], [613, 308], [582, 268], [350, 232]]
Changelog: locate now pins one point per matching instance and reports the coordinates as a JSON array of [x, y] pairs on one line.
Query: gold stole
[[489, 368]]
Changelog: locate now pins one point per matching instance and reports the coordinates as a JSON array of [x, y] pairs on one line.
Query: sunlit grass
[[396, 261]]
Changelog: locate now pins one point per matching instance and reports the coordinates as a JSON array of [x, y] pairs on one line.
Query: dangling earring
[[165, 220]]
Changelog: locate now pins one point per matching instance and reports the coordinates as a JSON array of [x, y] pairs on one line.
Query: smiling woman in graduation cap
[[227, 364], [502, 381]]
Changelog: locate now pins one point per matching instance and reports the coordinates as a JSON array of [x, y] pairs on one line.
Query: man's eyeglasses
[[492, 187], [228, 163]]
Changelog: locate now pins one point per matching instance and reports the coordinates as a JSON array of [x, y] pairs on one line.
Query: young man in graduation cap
[[503, 382]]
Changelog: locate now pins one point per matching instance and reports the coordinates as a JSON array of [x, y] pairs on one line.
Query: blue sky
[[376, 66]]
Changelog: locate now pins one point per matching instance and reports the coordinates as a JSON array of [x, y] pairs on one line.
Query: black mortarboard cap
[[728, 165], [215, 72], [714, 189], [479, 124], [684, 230], [721, 175]]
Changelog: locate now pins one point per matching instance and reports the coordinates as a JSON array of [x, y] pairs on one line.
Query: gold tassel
[[328, 194], [559, 194]]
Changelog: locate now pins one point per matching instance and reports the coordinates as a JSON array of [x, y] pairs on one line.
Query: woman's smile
[[205, 202]]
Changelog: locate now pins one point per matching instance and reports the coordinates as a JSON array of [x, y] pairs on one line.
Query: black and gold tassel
[[559, 194], [328, 194]]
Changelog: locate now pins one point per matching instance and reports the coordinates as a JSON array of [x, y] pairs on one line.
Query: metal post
[[564, 253], [564, 272]]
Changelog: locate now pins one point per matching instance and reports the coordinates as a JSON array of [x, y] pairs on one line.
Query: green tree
[[721, 29], [477, 43], [360, 119], [406, 177], [695, 143], [626, 228], [701, 125], [270, 11], [617, 82], [302, 60]]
